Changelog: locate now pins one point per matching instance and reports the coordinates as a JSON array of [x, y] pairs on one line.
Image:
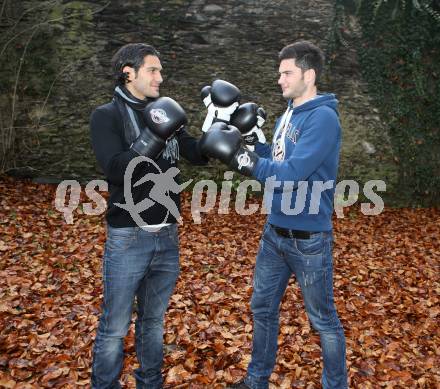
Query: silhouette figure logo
[[163, 184]]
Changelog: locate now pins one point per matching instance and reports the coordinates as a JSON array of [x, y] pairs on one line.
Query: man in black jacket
[[139, 261]]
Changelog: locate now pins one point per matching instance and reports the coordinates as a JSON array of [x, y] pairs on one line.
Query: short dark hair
[[306, 55], [133, 55]]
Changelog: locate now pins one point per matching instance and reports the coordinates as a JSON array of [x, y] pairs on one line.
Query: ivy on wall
[[399, 53]]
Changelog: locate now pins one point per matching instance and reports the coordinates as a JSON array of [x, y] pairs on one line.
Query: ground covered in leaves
[[386, 290]]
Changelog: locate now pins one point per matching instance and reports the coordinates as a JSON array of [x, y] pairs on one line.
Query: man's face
[[146, 82], [291, 79]]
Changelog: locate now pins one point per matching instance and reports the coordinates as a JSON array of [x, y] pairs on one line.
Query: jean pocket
[[120, 238], [174, 237], [267, 232], [313, 246]]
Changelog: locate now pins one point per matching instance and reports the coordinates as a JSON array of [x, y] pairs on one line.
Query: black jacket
[[113, 154]]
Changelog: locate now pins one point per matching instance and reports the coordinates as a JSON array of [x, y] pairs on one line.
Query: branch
[[52, 85], [14, 96], [3, 8], [47, 22], [27, 11]]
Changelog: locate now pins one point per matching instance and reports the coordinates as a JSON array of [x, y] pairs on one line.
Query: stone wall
[[199, 40]]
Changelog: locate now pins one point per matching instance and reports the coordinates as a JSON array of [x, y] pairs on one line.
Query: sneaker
[[238, 385]]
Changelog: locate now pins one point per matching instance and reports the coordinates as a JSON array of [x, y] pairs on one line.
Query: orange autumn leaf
[[386, 284]]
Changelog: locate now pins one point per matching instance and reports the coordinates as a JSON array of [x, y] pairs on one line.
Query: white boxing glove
[[222, 99]]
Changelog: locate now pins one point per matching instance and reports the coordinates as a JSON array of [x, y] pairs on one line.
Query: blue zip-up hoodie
[[312, 144]]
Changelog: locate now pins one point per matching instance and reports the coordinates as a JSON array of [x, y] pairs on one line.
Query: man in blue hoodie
[[297, 239]]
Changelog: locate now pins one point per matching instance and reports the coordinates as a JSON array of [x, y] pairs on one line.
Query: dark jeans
[[310, 260], [144, 265]]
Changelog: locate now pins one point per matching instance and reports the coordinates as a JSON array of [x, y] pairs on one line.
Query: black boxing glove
[[148, 144], [224, 143], [249, 118], [164, 117]]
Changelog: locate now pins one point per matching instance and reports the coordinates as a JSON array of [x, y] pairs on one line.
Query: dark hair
[[133, 55], [306, 55]]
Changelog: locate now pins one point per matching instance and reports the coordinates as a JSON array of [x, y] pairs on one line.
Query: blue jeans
[[137, 264], [310, 260]]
